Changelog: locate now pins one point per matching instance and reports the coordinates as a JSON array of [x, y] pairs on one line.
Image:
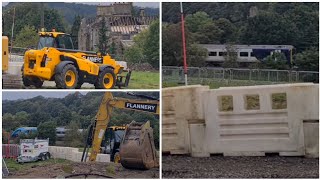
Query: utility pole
[[184, 48]]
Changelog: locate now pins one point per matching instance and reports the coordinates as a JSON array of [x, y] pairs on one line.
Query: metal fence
[[10, 150], [205, 75]]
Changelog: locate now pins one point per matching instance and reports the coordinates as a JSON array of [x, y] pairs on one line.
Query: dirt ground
[[239, 167], [56, 170]]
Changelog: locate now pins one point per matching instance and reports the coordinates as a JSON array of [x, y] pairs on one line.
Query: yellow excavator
[[55, 59], [137, 149], [9, 81]]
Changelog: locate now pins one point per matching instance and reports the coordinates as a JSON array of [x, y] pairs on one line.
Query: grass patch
[[14, 166], [110, 170], [144, 80], [252, 102], [279, 101]]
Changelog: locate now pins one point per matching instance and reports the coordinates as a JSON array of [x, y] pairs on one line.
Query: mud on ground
[[239, 167], [56, 170]]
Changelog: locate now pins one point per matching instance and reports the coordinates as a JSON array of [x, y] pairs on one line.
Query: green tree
[[47, 130], [227, 30], [172, 52], [75, 30], [103, 38], [27, 37], [307, 60], [9, 122], [151, 45], [269, 28], [276, 61], [230, 57], [146, 46], [195, 22], [22, 117], [134, 54], [73, 137]]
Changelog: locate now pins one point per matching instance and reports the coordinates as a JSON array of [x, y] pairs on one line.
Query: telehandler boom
[[137, 148]]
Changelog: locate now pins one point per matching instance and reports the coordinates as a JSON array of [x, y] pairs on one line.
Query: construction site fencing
[[205, 75], [10, 151]]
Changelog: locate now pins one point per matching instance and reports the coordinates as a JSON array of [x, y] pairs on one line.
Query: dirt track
[[239, 167], [62, 170]]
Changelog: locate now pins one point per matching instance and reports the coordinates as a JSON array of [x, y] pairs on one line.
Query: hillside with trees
[[294, 24], [76, 111]]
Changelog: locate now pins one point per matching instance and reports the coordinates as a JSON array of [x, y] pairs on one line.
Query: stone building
[[122, 25]]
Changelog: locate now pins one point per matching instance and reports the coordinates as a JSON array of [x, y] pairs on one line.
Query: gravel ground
[[239, 167]]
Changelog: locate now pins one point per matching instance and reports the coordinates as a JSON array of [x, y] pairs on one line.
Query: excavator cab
[[111, 143]]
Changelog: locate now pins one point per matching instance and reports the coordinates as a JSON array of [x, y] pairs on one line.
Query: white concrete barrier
[[251, 120], [181, 106], [73, 154]]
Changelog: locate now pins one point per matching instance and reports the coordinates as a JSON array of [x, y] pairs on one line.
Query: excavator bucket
[[137, 150]]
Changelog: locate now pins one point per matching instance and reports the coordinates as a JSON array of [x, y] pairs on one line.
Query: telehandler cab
[[56, 60]]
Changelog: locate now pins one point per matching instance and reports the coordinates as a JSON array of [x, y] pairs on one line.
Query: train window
[[212, 53], [244, 54], [251, 54], [222, 53]]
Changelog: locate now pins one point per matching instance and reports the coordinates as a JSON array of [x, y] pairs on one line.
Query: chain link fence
[[207, 75]]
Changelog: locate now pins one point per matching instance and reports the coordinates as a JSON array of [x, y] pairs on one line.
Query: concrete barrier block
[[198, 141], [311, 138], [103, 158]]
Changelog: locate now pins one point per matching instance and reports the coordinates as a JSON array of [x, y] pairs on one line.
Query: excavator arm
[[102, 119]]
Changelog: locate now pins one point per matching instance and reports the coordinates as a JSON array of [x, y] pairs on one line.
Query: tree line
[[294, 24], [75, 111]]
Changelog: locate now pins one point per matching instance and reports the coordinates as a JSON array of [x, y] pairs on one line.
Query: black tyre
[[43, 157], [68, 78], [106, 79], [79, 84], [29, 81], [26, 81], [37, 82], [47, 155]]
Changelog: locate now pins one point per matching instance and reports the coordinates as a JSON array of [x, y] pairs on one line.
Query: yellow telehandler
[[56, 60], [136, 149]]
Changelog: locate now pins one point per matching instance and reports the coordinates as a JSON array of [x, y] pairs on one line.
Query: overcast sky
[[140, 4], [15, 95]]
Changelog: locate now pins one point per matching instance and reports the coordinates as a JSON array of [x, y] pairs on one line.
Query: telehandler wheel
[[26, 81], [68, 78], [106, 79], [37, 82], [79, 84], [32, 81]]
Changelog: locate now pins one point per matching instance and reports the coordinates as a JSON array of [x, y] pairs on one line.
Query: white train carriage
[[245, 53]]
